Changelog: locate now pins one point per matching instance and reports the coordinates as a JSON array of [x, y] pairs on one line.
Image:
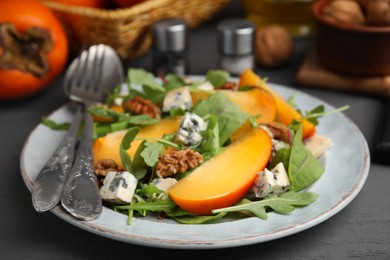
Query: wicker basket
[[128, 30]]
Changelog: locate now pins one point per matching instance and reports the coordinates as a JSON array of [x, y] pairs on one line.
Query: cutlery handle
[[382, 148], [80, 196], [48, 185]]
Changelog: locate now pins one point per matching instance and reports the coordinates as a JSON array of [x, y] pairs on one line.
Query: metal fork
[[80, 195], [98, 68]]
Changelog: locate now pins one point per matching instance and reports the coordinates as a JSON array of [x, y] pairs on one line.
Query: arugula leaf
[[313, 115], [152, 152], [230, 116], [148, 190], [54, 125], [139, 119], [217, 77], [282, 204], [319, 111], [123, 117], [210, 144], [110, 100], [291, 100], [138, 164], [162, 205], [125, 145]]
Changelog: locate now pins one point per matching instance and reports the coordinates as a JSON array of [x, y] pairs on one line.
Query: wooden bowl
[[351, 49]]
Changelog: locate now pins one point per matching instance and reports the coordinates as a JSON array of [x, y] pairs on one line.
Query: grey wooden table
[[359, 231]]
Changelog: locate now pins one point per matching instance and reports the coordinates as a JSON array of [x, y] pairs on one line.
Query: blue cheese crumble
[[118, 187], [179, 98], [189, 132], [269, 182]]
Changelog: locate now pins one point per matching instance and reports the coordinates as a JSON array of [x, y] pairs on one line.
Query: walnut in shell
[[378, 12], [274, 46], [344, 11]]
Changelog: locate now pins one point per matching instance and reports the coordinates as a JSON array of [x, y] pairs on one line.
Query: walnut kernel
[[274, 46], [141, 106], [178, 162]]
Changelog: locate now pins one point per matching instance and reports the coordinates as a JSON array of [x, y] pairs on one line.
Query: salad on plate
[[204, 149]]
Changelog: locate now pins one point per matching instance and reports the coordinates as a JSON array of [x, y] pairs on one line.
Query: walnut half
[[177, 162]]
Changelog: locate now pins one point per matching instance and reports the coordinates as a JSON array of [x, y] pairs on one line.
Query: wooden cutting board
[[312, 74]]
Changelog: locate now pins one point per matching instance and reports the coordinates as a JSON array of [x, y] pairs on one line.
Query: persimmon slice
[[285, 113], [107, 147], [226, 178]]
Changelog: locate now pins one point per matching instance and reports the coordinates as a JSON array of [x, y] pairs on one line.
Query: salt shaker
[[236, 45], [170, 47]]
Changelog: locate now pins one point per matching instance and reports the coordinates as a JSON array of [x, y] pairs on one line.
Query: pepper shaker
[[170, 47], [236, 45]]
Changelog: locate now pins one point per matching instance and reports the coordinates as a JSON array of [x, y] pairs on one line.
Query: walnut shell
[[274, 46], [378, 12], [344, 11]]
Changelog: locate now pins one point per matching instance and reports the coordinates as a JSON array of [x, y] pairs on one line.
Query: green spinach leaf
[[230, 116], [217, 77], [303, 168]]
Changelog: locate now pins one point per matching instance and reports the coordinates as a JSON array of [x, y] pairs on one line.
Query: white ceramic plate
[[347, 162]]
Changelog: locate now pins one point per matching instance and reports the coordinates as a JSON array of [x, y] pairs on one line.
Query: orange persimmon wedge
[[226, 178], [255, 102], [285, 113], [107, 147]]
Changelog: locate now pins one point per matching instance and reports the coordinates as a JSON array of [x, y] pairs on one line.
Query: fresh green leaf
[[151, 89], [283, 204], [138, 164], [123, 117], [253, 120], [152, 152], [283, 156], [303, 167], [291, 100], [115, 93], [176, 112], [313, 115], [139, 119], [210, 144], [319, 111], [142, 77], [230, 116], [217, 77], [125, 145], [101, 129], [173, 81], [54, 125], [103, 111], [162, 205], [148, 190], [194, 219]]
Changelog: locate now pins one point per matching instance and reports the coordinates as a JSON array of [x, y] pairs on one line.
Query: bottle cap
[[170, 35], [236, 36]]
